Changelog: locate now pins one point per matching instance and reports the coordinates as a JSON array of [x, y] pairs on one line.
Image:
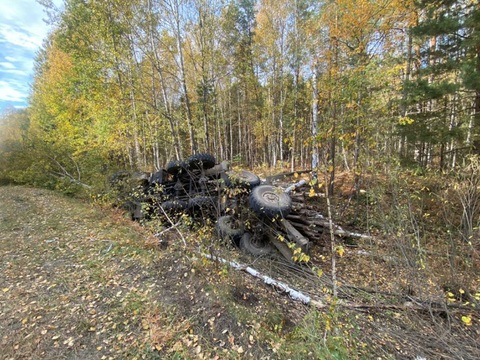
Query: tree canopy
[[135, 83]]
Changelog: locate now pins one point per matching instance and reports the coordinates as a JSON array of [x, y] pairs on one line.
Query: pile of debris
[[256, 216]]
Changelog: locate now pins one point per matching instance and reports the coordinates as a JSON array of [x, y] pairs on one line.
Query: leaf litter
[[84, 282]]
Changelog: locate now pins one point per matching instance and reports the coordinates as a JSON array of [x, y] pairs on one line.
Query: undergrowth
[[87, 281]]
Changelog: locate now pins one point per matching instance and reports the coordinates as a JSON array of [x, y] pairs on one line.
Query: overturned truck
[[255, 216]]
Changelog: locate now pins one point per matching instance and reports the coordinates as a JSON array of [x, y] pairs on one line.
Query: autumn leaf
[[450, 296], [467, 320]]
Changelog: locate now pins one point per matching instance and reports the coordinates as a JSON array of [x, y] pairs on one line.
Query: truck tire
[[254, 246], [199, 202], [119, 178], [136, 210], [174, 167], [201, 161], [174, 205], [241, 178], [270, 201], [158, 178], [227, 230]]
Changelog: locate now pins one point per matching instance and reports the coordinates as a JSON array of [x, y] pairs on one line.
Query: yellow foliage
[[405, 121], [467, 320]]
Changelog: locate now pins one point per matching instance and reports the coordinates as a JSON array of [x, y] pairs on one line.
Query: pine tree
[[444, 94]]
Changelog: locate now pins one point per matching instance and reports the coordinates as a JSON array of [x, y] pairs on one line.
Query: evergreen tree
[[443, 95]]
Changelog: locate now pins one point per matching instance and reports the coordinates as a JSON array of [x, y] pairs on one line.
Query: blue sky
[[22, 30]]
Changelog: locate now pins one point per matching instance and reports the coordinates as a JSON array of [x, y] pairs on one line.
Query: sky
[[22, 31]]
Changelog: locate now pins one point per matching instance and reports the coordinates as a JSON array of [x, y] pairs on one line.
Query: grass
[[83, 282]]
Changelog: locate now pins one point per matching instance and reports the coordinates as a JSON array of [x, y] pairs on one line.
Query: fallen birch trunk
[[295, 186], [294, 294], [307, 300]]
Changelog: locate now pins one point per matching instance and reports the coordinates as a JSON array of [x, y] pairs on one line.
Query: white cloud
[[16, 72], [12, 92], [24, 39], [22, 31], [20, 67], [22, 23], [7, 65]]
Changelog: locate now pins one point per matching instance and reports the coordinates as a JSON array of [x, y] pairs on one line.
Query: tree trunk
[[168, 113], [476, 115], [183, 82], [314, 122]]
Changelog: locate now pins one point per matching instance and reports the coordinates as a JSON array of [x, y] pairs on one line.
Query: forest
[[379, 99], [352, 84]]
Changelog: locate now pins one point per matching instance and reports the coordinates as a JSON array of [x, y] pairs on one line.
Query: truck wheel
[[254, 246], [119, 178], [270, 201], [174, 205], [202, 202], [227, 229], [172, 211], [242, 178], [201, 161], [174, 167], [136, 211], [158, 178]]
